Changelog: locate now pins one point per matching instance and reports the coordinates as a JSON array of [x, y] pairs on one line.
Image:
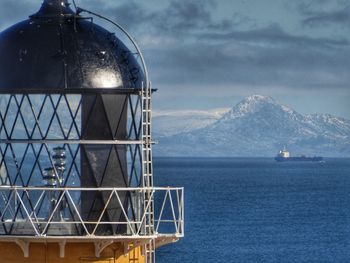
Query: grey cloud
[[128, 13], [256, 60], [184, 15], [178, 16], [12, 12], [274, 35], [208, 67], [317, 13], [340, 17], [309, 7]]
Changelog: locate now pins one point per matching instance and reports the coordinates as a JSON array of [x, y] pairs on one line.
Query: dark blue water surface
[[257, 210]]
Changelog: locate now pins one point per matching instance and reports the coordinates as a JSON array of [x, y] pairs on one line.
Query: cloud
[[307, 7], [178, 16], [12, 12], [128, 13], [262, 57], [274, 35], [338, 17], [184, 15], [319, 13]]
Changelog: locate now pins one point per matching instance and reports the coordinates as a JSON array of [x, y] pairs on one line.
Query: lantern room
[[75, 140]]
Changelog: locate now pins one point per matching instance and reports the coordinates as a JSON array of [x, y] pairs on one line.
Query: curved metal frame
[[80, 10]]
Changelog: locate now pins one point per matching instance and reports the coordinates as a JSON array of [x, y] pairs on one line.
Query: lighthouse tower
[[76, 173]]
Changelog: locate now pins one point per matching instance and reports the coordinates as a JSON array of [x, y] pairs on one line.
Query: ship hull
[[298, 159]]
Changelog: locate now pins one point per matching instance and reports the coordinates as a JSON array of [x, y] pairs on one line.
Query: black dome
[[55, 49]]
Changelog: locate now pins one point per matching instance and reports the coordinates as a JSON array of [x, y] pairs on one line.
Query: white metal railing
[[42, 211]]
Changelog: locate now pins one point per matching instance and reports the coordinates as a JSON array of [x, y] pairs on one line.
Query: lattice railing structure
[[32, 125], [64, 219]]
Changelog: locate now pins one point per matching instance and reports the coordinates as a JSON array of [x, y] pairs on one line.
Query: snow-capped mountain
[[260, 126]]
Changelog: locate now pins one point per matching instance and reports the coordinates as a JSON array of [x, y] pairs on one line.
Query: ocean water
[[257, 210]]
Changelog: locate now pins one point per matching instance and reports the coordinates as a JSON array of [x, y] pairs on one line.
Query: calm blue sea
[[257, 210]]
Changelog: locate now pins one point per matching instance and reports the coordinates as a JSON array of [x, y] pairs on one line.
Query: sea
[[257, 210]]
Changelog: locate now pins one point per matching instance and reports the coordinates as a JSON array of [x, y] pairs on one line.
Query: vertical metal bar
[[161, 210], [173, 210], [183, 211]]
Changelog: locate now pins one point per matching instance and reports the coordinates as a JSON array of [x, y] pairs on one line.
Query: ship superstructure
[[283, 153], [76, 164]]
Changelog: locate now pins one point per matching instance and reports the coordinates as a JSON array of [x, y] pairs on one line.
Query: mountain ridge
[[260, 126]]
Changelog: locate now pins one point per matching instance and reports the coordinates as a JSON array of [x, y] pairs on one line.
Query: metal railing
[[56, 212]]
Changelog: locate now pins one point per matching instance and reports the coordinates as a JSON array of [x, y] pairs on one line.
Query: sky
[[206, 54]]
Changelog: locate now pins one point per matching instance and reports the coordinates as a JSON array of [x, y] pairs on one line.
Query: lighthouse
[[76, 167]]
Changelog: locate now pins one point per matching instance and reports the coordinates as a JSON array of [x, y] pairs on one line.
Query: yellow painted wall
[[74, 253]]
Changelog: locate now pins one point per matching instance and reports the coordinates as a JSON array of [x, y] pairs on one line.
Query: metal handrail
[[32, 223]]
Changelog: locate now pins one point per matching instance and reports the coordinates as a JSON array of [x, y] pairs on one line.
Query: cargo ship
[[284, 156]]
